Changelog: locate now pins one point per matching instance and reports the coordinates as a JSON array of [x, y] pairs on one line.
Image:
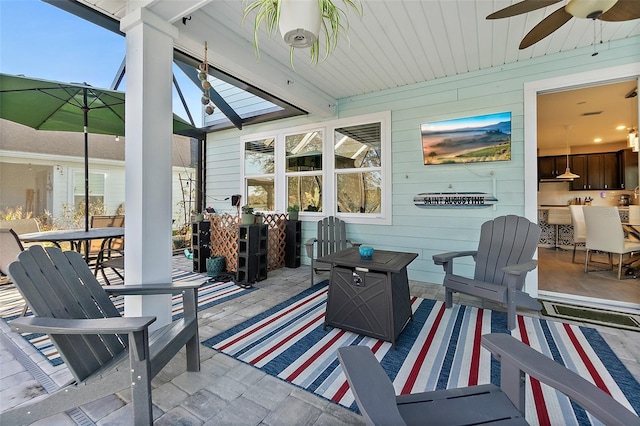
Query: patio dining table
[[76, 237]]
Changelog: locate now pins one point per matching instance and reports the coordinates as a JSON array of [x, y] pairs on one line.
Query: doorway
[[557, 277]]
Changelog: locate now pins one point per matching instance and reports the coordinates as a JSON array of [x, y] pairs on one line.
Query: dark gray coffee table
[[369, 297]]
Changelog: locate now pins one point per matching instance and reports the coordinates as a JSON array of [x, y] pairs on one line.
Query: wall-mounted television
[[476, 139]]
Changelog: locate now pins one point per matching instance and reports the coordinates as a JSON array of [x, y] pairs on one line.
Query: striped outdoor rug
[[211, 294], [439, 349]]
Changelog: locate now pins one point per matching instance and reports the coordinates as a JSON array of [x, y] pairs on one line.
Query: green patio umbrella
[[71, 107]]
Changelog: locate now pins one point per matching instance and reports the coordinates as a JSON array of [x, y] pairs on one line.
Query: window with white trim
[[97, 182], [340, 167]]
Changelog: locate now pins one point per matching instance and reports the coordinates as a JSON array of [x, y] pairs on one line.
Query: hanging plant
[[333, 20]]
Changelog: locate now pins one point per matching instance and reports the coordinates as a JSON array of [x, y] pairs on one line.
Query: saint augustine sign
[[454, 199]]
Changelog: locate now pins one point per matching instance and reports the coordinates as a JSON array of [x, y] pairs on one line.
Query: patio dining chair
[[606, 234]]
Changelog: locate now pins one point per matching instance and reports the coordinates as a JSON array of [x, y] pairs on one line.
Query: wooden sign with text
[[454, 199]]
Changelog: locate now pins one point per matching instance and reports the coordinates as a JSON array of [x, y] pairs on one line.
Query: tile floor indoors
[[225, 391]]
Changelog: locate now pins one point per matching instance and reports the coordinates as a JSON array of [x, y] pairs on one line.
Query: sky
[[39, 40]]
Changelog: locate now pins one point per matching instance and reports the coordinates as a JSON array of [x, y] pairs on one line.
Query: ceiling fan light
[[584, 8]]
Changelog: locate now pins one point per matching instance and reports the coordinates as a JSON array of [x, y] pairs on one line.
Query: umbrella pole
[[85, 109]]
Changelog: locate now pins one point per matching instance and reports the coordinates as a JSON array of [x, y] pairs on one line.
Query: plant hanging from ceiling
[[301, 21]]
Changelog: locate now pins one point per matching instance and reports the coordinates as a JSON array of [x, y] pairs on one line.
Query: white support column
[[149, 122]]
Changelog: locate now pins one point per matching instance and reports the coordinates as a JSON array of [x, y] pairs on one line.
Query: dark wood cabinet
[[611, 171], [550, 167], [596, 171], [628, 169], [579, 167]]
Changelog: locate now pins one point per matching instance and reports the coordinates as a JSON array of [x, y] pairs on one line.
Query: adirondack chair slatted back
[[332, 236], [59, 284], [506, 240]]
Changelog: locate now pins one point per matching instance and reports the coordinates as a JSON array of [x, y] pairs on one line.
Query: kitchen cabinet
[[597, 171], [628, 168], [550, 167], [579, 167]]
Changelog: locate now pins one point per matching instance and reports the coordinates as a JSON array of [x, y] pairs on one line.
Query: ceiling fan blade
[[519, 8], [623, 10], [546, 27]]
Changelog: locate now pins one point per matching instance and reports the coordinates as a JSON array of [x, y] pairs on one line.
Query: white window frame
[[72, 194], [329, 172]]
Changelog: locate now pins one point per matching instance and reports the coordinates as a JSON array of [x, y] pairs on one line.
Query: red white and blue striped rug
[[209, 295], [439, 349]]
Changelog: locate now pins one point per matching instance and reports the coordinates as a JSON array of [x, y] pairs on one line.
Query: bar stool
[[557, 217]]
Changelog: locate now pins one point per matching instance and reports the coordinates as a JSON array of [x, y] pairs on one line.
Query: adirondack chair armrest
[[114, 325], [168, 288], [442, 258], [517, 358], [520, 268], [354, 244]]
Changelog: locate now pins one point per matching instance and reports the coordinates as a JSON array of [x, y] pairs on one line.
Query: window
[[96, 189], [340, 168], [259, 169], [304, 152], [358, 164]]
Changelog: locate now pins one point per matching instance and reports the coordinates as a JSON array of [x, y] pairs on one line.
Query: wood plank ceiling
[[396, 43]]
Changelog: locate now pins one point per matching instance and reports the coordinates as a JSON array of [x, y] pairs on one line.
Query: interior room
[[585, 125]]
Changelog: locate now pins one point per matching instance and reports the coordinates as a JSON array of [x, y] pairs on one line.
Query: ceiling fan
[[605, 10]]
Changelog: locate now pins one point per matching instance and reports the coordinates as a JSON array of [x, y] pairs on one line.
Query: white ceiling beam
[[173, 11]]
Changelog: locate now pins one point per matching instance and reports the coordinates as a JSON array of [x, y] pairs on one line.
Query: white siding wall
[[431, 231], [12, 193]]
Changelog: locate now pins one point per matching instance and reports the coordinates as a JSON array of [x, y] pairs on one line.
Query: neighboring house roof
[[19, 138]]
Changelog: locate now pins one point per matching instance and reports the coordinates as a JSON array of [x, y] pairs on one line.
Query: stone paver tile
[[327, 419], [269, 392], [240, 412], [245, 373], [227, 388], [17, 379], [168, 396], [102, 407], [11, 367], [19, 394], [58, 420], [292, 411], [191, 382], [124, 416], [178, 416], [310, 397], [204, 404]]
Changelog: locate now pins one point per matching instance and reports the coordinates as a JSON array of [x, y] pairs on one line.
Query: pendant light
[[567, 173]]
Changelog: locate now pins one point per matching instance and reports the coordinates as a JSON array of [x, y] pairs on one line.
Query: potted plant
[[293, 212], [301, 21], [247, 217]]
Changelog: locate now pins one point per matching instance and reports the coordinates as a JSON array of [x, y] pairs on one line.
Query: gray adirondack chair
[[93, 339], [473, 405], [502, 260], [332, 237]]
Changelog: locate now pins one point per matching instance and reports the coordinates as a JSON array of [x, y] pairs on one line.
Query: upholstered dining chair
[[605, 233], [633, 224], [579, 227], [10, 248]]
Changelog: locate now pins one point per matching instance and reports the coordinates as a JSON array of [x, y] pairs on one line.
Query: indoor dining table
[[76, 237]]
